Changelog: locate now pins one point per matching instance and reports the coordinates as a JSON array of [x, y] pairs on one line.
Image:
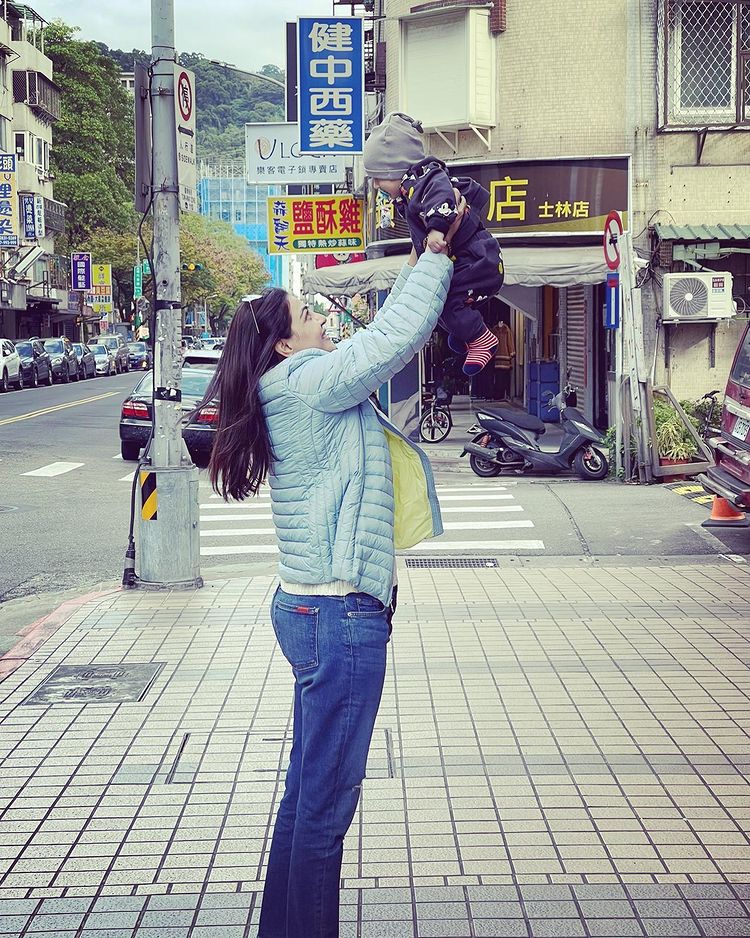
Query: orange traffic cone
[[725, 515]]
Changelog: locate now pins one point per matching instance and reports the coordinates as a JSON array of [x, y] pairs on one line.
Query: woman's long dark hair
[[242, 453]]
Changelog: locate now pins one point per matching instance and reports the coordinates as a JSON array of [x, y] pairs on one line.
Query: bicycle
[[435, 422], [706, 429]]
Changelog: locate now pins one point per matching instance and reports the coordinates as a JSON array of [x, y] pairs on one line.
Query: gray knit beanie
[[393, 147]]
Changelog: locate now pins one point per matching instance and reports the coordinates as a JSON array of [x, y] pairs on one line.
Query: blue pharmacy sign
[[80, 271], [331, 84], [28, 219], [612, 315]]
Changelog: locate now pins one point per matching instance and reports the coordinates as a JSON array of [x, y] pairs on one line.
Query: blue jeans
[[336, 646]]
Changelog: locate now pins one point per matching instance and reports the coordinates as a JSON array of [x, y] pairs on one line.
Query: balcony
[[38, 92]]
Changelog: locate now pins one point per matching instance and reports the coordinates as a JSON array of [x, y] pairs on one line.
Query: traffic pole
[[169, 546]]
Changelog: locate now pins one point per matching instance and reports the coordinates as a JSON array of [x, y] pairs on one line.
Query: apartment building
[[34, 297], [565, 111]]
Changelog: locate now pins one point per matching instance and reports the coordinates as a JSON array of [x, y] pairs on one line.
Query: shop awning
[[702, 232], [525, 266]]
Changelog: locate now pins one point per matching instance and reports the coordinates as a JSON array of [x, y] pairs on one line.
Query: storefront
[[549, 216]]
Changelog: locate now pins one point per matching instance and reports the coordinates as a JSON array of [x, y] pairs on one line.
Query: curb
[[36, 633]]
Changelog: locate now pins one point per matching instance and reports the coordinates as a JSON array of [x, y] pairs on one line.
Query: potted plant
[[674, 443]]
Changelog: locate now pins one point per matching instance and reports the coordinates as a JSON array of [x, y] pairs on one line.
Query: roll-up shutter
[[575, 335]]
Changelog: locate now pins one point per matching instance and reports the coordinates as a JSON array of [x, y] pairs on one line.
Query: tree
[[93, 153]]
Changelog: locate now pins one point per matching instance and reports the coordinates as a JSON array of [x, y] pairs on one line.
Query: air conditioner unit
[[697, 296]]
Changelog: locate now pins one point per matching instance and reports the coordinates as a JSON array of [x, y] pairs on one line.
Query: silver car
[[104, 359]]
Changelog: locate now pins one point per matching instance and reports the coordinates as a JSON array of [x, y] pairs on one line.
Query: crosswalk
[[244, 529], [478, 517]]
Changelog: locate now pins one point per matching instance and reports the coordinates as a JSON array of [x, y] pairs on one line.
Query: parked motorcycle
[[509, 441]]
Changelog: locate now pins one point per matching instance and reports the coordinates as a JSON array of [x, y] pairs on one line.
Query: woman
[[295, 408]]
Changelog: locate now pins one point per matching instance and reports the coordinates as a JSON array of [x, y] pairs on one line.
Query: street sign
[[612, 314], [101, 275], [9, 222], [99, 298], [315, 224], [146, 267], [40, 225], [612, 231], [331, 84], [80, 271], [187, 173], [137, 282], [272, 156]]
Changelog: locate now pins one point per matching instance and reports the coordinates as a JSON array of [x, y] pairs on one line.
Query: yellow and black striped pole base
[[149, 495]]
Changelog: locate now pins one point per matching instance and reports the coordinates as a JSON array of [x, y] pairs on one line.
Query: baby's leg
[[468, 334]]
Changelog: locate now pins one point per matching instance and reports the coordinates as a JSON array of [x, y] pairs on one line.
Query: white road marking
[[486, 525], [472, 498], [237, 532], [473, 488], [54, 469], [248, 517], [477, 509], [240, 549], [118, 456], [464, 547]]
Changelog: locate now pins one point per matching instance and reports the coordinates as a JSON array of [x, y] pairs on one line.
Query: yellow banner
[[315, 224], [101, 275]]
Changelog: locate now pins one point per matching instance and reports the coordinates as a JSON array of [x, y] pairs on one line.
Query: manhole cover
[[473, 562], [96, 683]]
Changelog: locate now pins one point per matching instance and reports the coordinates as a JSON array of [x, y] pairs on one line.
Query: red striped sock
[[480, 352]]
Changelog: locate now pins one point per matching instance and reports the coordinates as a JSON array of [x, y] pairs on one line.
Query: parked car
[[199, 429], [730, 477], [104, 360], [10, 366], [86, 361], [116, 344], [35, 362], [63, 358], [139, 355], [201, 357]]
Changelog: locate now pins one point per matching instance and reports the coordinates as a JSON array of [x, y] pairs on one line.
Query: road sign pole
[[169, 547]]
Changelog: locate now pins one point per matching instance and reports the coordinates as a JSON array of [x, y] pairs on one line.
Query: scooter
[[509, 441]]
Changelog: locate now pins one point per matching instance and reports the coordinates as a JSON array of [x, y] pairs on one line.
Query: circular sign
[[612, 231], [185, 96]]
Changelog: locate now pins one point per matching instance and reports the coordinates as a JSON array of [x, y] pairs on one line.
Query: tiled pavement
[[560, 751]]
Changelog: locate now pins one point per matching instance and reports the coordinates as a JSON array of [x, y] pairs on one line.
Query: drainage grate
[[96, 683], [473, 562]]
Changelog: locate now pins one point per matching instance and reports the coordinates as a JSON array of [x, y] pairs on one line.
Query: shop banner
[[315, 224], [552, 196], [272, 156], [331, 84], [27, 218]]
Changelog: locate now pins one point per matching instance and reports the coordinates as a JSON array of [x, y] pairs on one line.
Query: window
[[704, 49], [39, 152], [20, 143], [4, 134]]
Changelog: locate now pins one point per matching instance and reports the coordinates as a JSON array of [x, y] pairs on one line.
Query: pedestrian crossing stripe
[[148, 495]]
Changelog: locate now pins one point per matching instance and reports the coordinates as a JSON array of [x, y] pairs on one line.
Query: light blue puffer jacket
[[332, 479]]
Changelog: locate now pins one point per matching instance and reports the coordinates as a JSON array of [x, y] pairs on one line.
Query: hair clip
[[250, 300]]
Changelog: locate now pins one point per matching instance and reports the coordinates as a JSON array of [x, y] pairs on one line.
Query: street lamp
[[244, 72]]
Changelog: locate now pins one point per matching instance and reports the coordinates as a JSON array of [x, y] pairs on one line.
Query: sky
[[245, 33]]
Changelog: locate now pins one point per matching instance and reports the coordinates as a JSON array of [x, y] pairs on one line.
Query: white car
[[10, 366]]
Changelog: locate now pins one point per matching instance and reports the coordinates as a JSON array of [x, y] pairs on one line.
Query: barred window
[[704, 56]]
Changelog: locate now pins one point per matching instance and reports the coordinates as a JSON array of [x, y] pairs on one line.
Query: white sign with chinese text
[[184, 106], [331, 84], [39, 221], [272, 157], [9, 214]]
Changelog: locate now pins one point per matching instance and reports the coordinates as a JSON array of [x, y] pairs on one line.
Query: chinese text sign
[[315, 224], [272, 157], [331, 84], [8, 202]]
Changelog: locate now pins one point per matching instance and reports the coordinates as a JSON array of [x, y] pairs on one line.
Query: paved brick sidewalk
[[559, 752]]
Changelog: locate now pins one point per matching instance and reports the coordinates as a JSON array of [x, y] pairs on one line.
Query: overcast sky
[[246, 33]]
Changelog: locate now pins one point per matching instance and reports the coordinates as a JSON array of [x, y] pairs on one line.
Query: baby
[[422, 189]]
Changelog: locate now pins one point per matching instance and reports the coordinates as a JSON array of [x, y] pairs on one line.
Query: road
[[64, 509]]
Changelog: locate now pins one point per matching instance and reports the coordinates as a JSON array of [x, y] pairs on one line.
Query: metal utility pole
[[169, 535]]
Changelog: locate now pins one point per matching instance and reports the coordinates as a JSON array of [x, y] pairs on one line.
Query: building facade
[[34, 286], [663, 84]]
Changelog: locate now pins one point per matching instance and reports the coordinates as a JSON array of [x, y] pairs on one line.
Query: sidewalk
[[560, 751]]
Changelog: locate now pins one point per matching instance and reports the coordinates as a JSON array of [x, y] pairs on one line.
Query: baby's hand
[[436, 241]]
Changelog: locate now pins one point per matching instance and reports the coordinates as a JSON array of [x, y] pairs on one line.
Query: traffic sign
[[146, 267], [612, 315], [187, 172], [612, 231], [137, 282]]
